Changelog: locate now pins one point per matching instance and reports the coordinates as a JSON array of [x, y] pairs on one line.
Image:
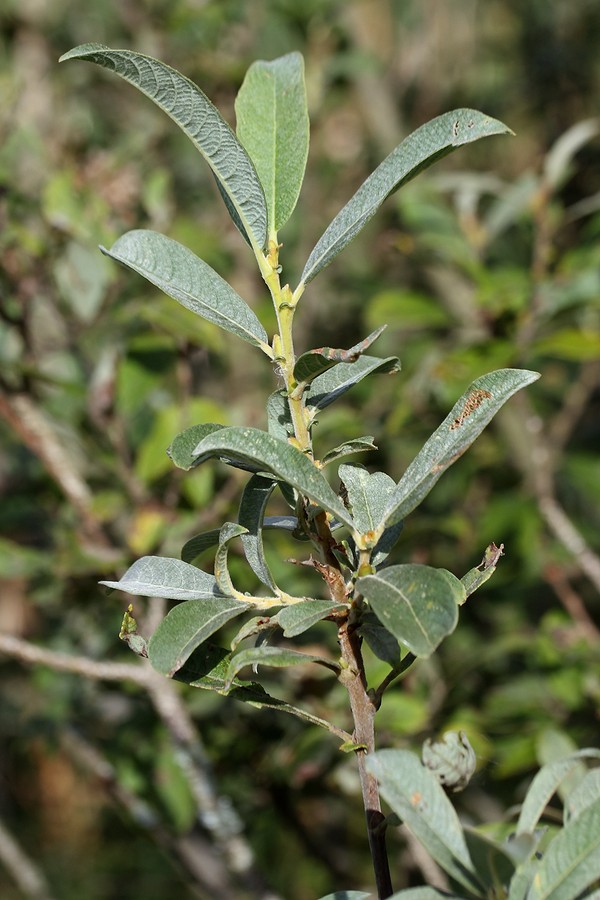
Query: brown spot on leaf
[[473, 401]]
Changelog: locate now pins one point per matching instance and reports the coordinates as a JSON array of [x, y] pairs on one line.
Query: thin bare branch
[[25, 873]]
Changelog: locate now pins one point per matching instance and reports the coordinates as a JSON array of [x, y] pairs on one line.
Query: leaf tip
[[81, 51]]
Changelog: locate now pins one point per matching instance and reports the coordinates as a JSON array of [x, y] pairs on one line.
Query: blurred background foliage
[[491, 259]]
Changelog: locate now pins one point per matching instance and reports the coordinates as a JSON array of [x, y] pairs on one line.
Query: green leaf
[[491, 861], [251, 516], [279, 417], [315, 362], [189, 280], [545, 784], [386, 544], [172, 579], [463, 424], [383, 644], [299, 617], [229, 531], [207, 669], [418, 151], [424, 893], [417, 604], [185, 103], [199, 543], [278, 457], [336, 381], [571, 861], [419, 800], [181, 449], [477, 576], [187, 626], [355, 445], [586, 792], [273, 126], [367, 495], [347, 895], [280, 657]]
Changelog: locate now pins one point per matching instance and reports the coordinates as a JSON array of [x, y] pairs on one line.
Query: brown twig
[[363, 715]]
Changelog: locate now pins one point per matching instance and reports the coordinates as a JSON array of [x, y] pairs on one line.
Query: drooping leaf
[[280, 657], [277, 457], [570, 865], [418, 151], [356, 445], [545, 784], [299, 617], [259, 625], [185, 103], [187, 626], [383, 644], [367, 495], [417, 604], [251, 516], [189, 280], [272, 124], [229, 531], [336, 381], [181, 450], [315, 362], [199, 543], [463, 424], [172, 579], [419, 800]]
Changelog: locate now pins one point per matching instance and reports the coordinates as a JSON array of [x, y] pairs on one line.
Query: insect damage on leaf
[[473, 401]]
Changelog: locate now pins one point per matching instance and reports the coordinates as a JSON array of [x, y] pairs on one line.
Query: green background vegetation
[[490, 259]]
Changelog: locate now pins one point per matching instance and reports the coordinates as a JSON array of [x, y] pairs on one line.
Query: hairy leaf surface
[[462, 425], [417, 604], [278, 457], [185, 103], [418, 151], [172, 579], [185, 277], [416, 796]]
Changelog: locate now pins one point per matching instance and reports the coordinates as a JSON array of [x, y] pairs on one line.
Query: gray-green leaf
[[272, 124], [419, 800], [172, 579], [183, 444], [418, 151], [354, 445], [336, 381], [187, 626], [299, 617], [367, 495], [571, 862], [199, 543], [278, 457], [545, 784], [314, 362], [417, 604], [463, 424], [280, 657], [185, 103], [185, 277], [229, 531], [251, 515]]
